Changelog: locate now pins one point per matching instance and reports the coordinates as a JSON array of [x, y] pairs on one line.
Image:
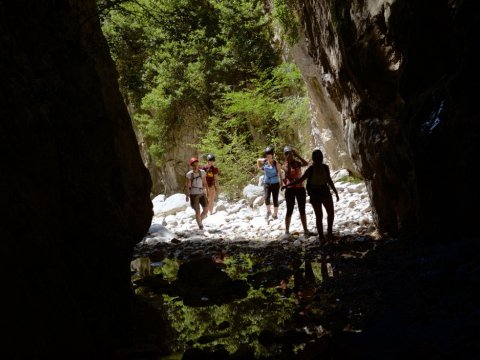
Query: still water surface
[[243, 302]]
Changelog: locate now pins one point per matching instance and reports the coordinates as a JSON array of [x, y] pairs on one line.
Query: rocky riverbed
[[240, 290], [245, 219]]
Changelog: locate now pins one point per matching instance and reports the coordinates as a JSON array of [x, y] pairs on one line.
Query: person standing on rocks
[[197, 191], [293, 170], [212, 180], [319, 184], [271, 180]]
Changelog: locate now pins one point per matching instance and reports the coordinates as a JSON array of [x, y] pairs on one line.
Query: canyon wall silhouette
[[394, 84], [400, 76], [75, 193]]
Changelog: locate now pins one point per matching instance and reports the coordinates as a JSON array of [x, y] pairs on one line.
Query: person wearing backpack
[[293, 170], [212, 180], [271, 180], [319, 184], [196, 190]]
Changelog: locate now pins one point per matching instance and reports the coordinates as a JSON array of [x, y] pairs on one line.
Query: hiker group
[[202, 186]]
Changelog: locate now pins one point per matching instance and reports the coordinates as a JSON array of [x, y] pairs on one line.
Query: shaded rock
[[73, 181], [202, 283], [394, 118]]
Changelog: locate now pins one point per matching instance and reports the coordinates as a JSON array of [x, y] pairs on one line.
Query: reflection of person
[[293, 170], [271, 180], [212, 180], [319, 181], [196, 191], [304, 287]]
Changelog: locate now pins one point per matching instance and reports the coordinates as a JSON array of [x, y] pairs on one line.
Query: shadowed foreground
[[357, 298]]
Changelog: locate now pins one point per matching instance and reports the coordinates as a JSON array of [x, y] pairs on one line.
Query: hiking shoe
[[201, 227], [268, 215], [274, 217], [309, 233]]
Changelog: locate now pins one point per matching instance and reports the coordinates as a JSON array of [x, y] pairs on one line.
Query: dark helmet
[[317, 156], [210, 157], [287, 149], [192, 160], [269, 150]]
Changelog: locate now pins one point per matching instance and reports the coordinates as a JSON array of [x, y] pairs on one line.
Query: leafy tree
[[214, 60], [266, 113], [286, 20]]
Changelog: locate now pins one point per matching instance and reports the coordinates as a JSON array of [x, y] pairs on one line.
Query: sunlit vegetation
[[168, 269], [351, 179], [263, 309], [213, 64]]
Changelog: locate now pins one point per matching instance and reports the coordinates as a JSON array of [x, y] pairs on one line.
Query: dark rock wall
[[404, 76], [75, 195], [74, 191]]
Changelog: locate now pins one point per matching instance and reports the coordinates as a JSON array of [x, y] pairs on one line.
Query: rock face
[[170, 177], [393, 85], [75, 194], [74, 191]]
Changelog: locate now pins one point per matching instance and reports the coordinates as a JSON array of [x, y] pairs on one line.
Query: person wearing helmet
[[196, 191], [319, 184], [271, 180], [293, 170], [212, 180]]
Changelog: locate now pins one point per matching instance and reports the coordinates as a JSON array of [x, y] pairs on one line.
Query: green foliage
[[351, 179], [264, 308], [285, 17], [246, 320], [169, 269], [239, 267], [268, 112], [212, 59]]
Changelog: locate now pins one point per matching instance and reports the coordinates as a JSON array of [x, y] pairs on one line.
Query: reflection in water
[[265, 320], [262, 309]]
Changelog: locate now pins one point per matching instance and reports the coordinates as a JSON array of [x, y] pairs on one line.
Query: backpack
[[310, 181], [195, 181]]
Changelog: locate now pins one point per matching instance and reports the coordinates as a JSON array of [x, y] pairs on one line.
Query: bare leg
[[268, 210], [211, 199], [287, 223], [317, 208], [303, 219], [198, 218], [204, 212], [275, 212], [328, 204]]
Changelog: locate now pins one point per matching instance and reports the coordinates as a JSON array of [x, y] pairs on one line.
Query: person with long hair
[[319, 184], [293, 170]]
